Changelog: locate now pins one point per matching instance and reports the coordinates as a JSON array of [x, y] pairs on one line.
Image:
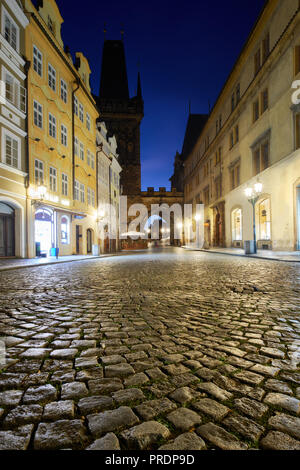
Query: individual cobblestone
[[145, 435], [152, 333]]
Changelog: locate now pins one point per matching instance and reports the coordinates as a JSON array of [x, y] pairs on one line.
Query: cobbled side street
[[160, 350]]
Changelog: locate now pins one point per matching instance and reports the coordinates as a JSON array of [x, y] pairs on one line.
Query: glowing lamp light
[[179, 225], [41, 192], [258, 188], [248, 192], [101, 213], [197, 217]]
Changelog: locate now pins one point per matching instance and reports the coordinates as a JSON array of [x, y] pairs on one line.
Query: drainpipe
[[27, 156], [73, 139]]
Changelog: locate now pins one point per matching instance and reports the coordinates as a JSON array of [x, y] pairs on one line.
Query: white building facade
[[252, 135], [13, 132]]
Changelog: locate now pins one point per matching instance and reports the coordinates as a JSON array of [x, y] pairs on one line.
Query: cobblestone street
[[161, 350]]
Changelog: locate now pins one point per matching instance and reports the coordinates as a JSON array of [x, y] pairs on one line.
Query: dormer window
[[51, 25]]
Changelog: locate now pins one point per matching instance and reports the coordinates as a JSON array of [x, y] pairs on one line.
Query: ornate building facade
[[252, 135], [13, 130]]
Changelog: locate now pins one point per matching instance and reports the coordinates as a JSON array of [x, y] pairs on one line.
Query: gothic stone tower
[[121, 114]]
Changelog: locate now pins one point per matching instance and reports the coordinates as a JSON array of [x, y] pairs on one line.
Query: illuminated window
[[65, 230], [38, 172], [236, 223], [53, 179], [64, 184], [264, 217]]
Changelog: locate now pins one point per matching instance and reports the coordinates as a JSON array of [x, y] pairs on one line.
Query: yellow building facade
[[61, 193]]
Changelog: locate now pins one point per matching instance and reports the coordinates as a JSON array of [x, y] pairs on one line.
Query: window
[[81, 192], [218, 187], [11, 31], [75, 104], [257, 62], [81, 151], [231, 140], [266, 47], [236, 134], [15, 93], [39, 172], [81, 115], [297, 60], [64, 184], [217, 127], [52, 126], [91, 197], [206, 195], [76, 146], [218, 155], [88, 157], [234, 176], [255, 110], [64, 225], [297, 130], [264, 100], [63, 91], [264, 155], [64, 135], [37, 61], [261, 157], [220, 122], [11, 150], [76, 190], [238, 93], [38, 114], [264, 220], [51, 25], [92, 161], [88, 121], [53, 179], [236, 223], [232, 102], [51, 77]]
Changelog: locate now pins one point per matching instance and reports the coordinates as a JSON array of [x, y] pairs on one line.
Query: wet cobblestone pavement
[[165, 350]]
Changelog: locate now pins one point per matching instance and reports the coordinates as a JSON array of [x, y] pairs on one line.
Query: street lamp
[[253, 195]]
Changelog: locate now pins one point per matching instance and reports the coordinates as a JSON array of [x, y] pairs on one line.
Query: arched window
[[65, 230], [264, 219], [236, 222]]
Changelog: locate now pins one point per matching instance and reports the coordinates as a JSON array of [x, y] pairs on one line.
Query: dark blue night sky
[[186, 50]]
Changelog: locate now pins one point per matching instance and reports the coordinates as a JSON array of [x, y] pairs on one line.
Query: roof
[[195, 125]]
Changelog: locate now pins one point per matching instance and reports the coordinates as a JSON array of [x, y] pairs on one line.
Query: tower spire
[[139, 87]]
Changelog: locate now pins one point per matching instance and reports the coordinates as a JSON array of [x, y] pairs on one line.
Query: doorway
[[89, 240], [78, 240], [44, 230], [7, 231]]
